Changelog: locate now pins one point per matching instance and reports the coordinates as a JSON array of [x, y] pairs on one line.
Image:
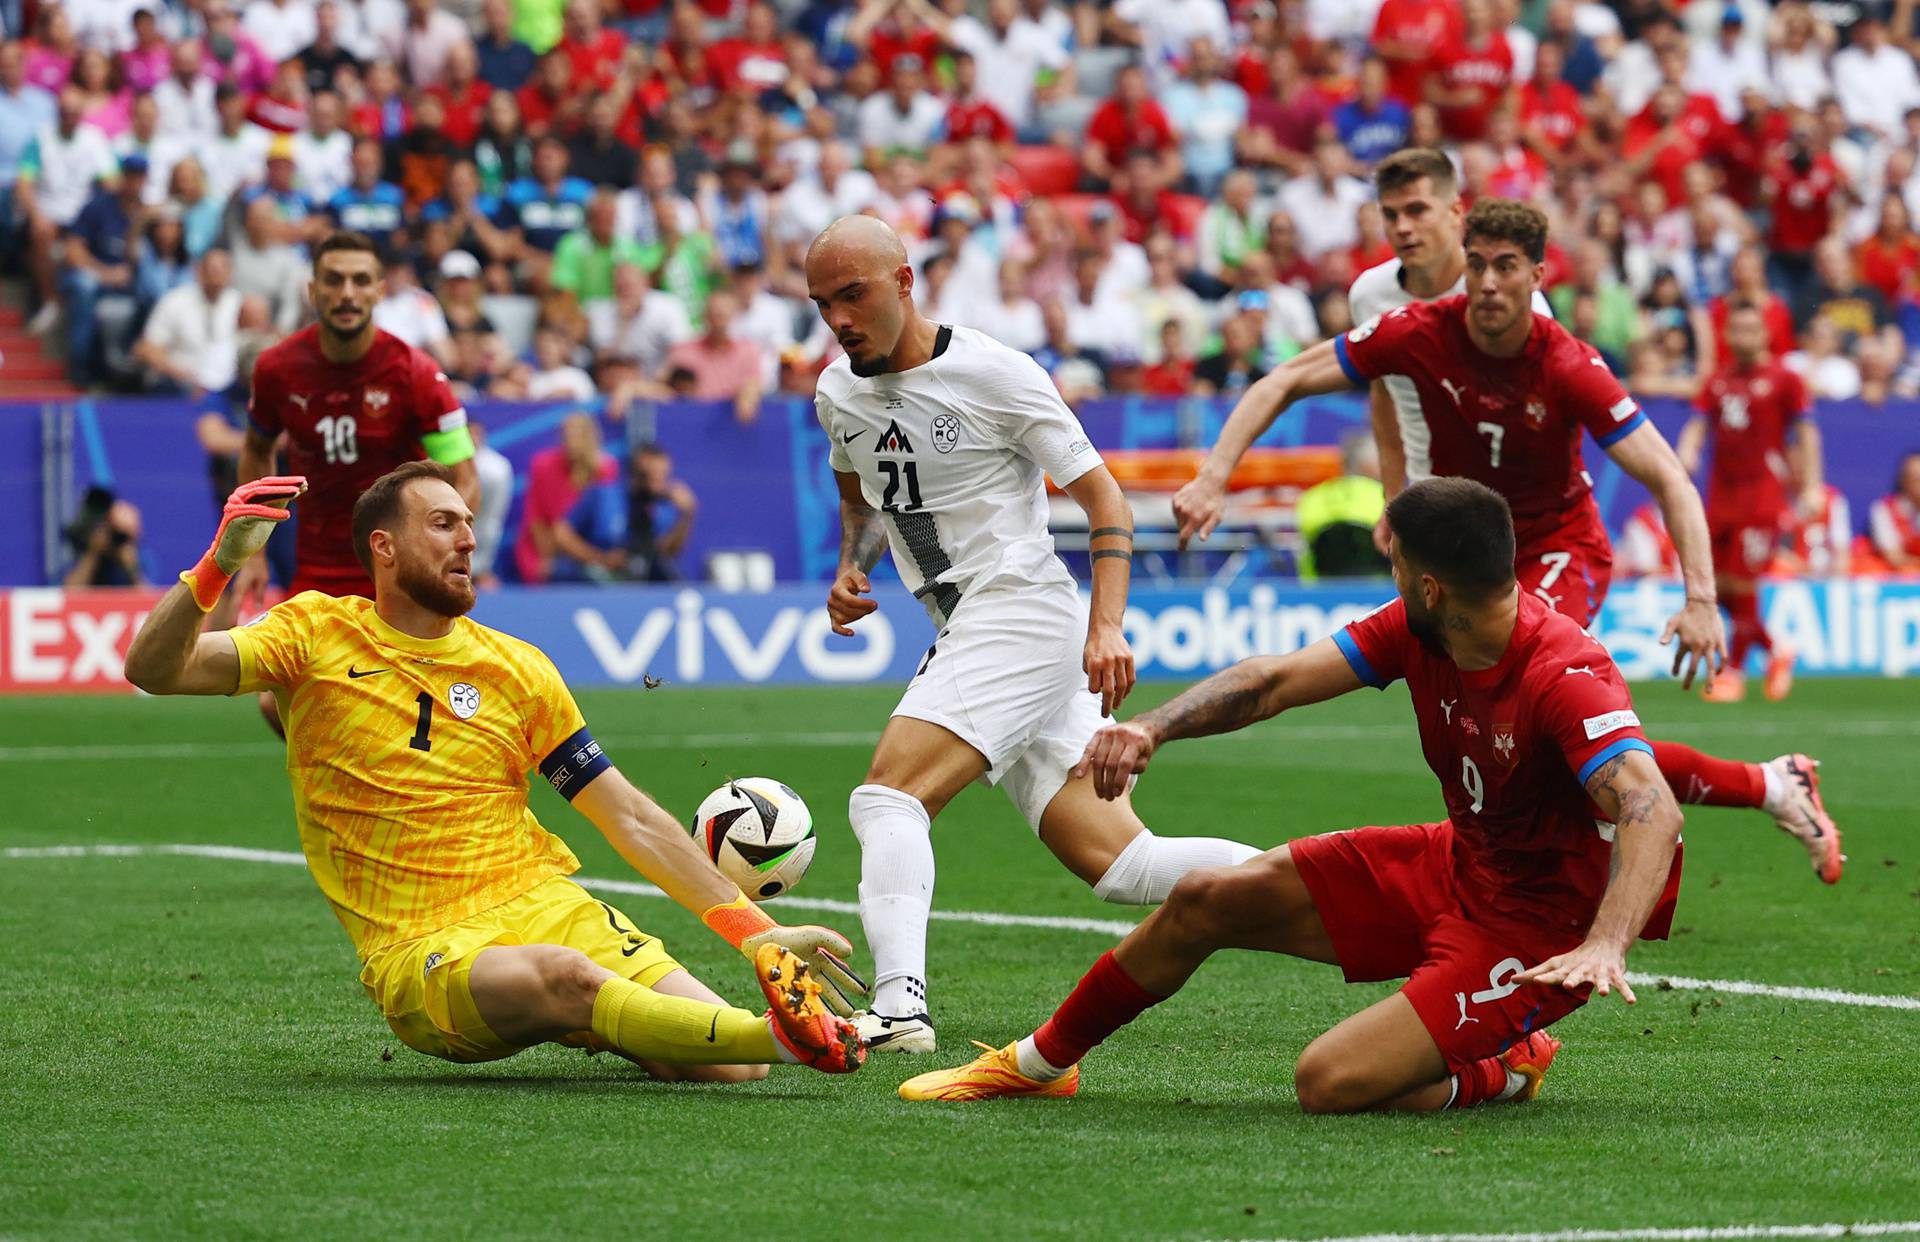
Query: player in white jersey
[[940, 440]]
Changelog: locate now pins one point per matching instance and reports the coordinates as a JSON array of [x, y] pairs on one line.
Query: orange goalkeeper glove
[[246, 523], [746, 927]]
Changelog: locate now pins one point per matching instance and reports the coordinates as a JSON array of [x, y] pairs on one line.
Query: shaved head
[[859, 277]]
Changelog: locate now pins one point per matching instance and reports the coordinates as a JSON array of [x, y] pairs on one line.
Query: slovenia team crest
[[946, 433], [463, 699]]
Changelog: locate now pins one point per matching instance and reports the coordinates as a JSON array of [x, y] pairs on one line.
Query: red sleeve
[[1156, 119], [1103, 129], [435, 408], [1587, 710], [263, 404], [1794, 395], [1376, 645], [1379, 346], [1703, 400], [1591, 396]]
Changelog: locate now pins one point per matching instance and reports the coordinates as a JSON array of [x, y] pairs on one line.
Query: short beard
[[432, 593], [867, 370], [1425, 626]]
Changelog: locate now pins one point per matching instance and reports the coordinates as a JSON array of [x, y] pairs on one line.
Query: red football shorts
[[1743, 547], [1570, 570], [1386, 898]]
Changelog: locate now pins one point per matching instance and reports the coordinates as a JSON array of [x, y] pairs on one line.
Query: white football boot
[[881, 1033]]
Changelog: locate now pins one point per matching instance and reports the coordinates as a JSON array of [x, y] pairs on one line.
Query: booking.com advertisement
[[52, 640]]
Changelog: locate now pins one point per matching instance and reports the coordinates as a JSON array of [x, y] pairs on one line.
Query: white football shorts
[[1005, 676]]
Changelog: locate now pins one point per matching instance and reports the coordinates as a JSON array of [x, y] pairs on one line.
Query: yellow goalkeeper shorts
[[421, 985]]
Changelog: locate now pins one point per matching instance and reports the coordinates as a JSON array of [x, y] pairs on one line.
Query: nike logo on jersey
[[354, 673], [855, 436], [632, 949]]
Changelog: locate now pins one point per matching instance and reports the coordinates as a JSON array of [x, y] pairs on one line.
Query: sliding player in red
[[1754, 412], [352, 402], [1505, 393], [1559, 846]]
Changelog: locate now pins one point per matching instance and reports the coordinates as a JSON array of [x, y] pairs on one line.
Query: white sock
[[1516, 1083], [1146, 871], [1027, 1054], [1775, 798], [896, 893], [780, 1045]]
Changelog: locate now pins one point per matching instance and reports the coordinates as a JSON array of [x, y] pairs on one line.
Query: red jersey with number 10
[[1510, 423], [1514, 746], [1750, 411], [346, 425]]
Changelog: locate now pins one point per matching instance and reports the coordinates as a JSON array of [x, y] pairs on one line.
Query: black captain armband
[[1111, 532], [574, 763], [1103, 553]]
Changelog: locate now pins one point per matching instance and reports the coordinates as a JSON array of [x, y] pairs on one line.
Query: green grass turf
[[184, 1049]]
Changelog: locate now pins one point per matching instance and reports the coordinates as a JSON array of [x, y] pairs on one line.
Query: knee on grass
[[1326, 1084]]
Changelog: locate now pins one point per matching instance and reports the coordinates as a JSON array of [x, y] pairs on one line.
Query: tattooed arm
[[863, 537], [1630, 791], [1251, 691]]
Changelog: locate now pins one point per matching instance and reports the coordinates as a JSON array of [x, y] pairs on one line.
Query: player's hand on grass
[[826, 953], [846, 603], [1115, 755], [1601, 966], [1108, 663], [1702, 640], [1198, 507]]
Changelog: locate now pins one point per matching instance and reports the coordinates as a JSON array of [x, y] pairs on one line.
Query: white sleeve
[[1886, 532], [971, 37], [1037, 424], [837, 456]]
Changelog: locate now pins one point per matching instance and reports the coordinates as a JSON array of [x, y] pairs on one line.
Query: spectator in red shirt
[[1471, 75], [383, 113], [890, 31], [1801, 185], [548, 103], [1172, 376], [283, 108], [556, 478], [1283, 121], [971, 115], [1144, 202], [1748, 274], [1407, 34], [462, 95], [1662, 141], [753, 62], [1516, 171], [1890, 258], [1553, 120], [593, 52], [1748, 149], [1128, 121]]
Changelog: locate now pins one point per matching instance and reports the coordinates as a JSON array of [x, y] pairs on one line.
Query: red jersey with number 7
[[346, 425], [1511, 423], [1514, 746]]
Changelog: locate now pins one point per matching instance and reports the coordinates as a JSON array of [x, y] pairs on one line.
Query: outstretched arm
[[1200, 504], [662, 850], [1630, 792], [1251, 691], [1645, 454], [1392, 452]]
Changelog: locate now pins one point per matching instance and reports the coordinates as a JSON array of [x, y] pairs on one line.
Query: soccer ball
[[759, 833]]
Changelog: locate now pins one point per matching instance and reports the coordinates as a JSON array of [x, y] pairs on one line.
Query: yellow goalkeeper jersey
[[410, 758]]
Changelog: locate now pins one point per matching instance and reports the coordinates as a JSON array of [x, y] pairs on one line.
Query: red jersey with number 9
[[346, 425], [1514, 746], [1511, 423]]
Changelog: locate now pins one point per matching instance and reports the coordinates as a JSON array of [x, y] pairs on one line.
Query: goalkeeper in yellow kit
[[411, 735]]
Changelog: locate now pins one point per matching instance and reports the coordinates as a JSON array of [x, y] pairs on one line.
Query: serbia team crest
[[463, 699]]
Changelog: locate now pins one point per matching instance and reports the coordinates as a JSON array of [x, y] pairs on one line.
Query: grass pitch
[[184, 1049]]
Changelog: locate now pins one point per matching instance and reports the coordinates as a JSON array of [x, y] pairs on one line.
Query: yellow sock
[[653, 1026]]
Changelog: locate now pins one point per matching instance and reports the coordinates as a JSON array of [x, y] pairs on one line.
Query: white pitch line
[[1697, 1233], [1266, 738], [983, 918]]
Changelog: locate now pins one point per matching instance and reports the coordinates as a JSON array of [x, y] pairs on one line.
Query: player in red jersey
[[349, 402], [1755, 411], [1503, 393], [1559, 846]]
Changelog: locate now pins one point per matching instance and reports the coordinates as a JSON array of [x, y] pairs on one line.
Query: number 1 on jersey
[[893, 470], [420, 741]]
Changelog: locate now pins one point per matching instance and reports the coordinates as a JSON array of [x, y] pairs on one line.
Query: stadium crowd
[[1150, 196]]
